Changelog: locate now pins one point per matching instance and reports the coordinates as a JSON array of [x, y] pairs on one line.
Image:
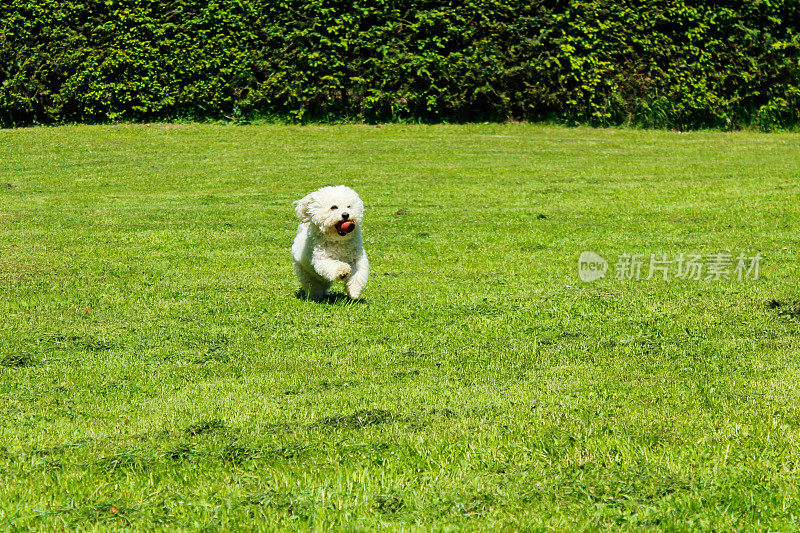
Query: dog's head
[[336, 211]]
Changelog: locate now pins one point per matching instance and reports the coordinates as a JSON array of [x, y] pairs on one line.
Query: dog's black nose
[[345, 216]]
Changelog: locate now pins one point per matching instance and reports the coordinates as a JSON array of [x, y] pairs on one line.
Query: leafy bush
[[660, 63]]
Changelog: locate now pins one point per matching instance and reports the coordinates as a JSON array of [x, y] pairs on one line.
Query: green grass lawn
[[157, 370]]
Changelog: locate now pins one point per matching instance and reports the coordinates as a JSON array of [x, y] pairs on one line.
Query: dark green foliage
[[663, 63]]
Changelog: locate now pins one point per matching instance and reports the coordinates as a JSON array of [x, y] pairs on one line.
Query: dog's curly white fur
[[327, 247]]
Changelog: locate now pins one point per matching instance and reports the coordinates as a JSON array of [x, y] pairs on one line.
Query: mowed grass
[[158, 372]]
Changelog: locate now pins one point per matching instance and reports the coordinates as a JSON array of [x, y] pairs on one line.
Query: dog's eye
[[349, 207], [334, 207]]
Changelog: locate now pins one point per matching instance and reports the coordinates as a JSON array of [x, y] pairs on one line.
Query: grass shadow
[[18, 360], [359, 419], [205, 426], [333, 298], [789, 309]]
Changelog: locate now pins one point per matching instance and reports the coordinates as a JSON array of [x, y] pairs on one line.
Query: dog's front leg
[[358, 277], [329, 269]]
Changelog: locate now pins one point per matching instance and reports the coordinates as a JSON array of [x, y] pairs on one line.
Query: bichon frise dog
[[328, 245]]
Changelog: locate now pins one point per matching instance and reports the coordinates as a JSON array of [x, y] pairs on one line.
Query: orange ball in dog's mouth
[[345, 227]]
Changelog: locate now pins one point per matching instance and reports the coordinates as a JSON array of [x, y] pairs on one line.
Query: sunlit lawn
[[157, 370]]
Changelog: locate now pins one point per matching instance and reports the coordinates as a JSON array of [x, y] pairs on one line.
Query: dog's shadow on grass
[[334, 298]]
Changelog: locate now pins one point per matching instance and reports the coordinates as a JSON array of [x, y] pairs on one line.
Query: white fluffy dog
[[328, 246]]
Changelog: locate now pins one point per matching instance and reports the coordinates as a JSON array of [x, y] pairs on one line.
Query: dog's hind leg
[[313, 288], [318, 290]]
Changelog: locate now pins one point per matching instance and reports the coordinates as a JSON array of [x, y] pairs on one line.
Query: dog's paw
[[353, 292], [343, 271]]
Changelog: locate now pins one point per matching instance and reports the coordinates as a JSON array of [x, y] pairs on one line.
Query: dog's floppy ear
[[302, 207]]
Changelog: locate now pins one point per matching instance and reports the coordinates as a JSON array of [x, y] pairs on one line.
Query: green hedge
[[662, 63]]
